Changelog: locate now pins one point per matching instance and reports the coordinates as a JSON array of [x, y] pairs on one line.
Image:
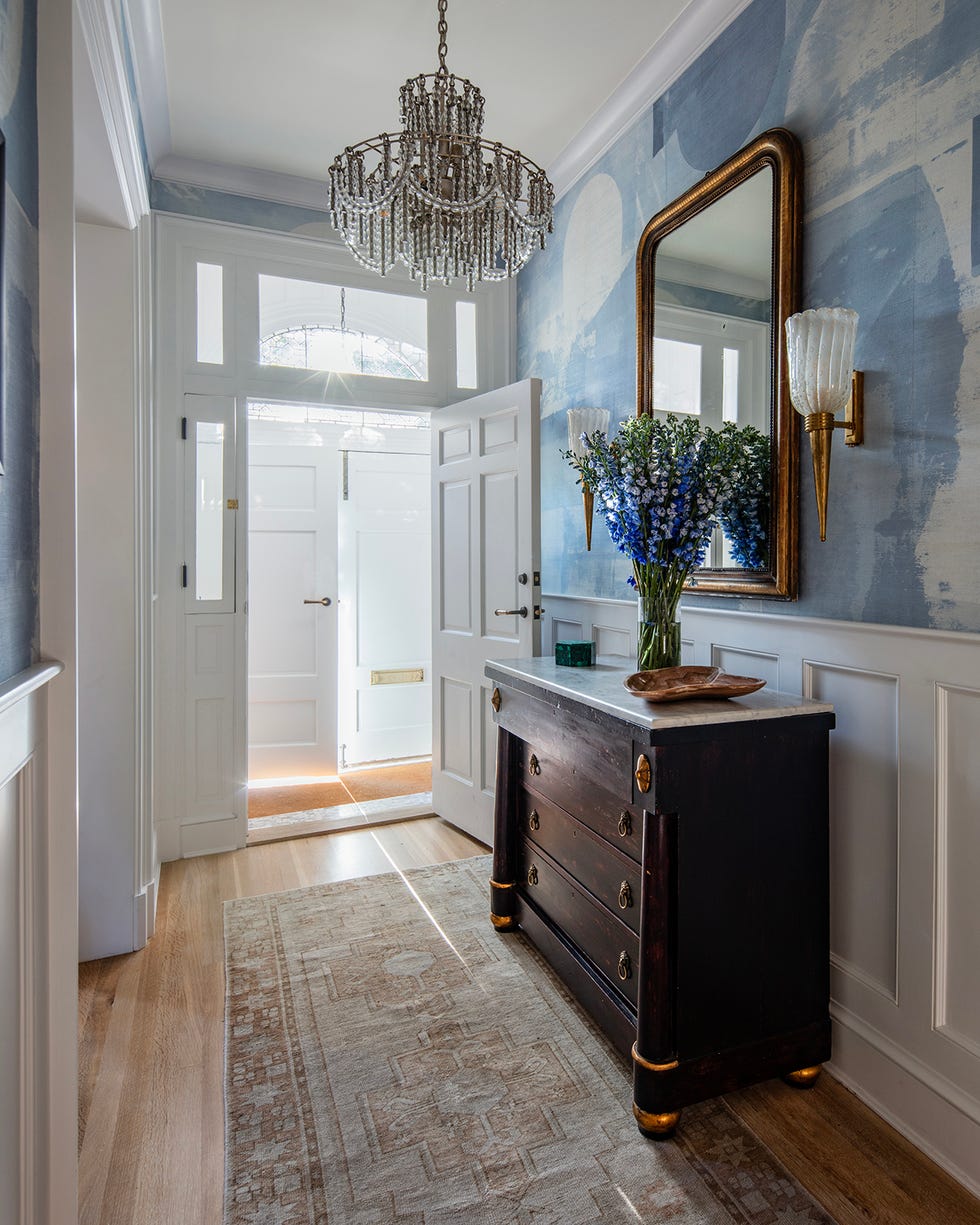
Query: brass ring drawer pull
[[625, 896], [532, 875], [534, 821], [533, 765], [642, 773], [495, 700], [625, 967], [625, 826]]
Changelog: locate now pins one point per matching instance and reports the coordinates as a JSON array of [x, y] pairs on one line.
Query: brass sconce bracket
[[853, 423]]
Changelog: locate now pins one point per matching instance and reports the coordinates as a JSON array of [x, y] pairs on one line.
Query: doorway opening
[[338, 618]]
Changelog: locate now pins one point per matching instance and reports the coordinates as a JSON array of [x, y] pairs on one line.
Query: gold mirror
[[717, 275]]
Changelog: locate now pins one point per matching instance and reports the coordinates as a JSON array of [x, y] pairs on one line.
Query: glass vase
[[658, 635]]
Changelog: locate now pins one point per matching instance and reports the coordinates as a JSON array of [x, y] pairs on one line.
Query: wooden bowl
[[682, 684]]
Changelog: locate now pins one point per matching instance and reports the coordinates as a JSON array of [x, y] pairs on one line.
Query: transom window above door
[[308, 325]]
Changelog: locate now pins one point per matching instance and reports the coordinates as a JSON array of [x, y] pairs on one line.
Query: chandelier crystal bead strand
[[438, 196]]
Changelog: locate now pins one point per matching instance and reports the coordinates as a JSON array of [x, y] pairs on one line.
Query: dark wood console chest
[[671, 863]]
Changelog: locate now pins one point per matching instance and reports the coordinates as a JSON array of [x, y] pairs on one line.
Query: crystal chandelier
[[437, 195]]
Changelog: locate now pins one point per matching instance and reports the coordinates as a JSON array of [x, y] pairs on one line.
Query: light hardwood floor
[[151, 1056]]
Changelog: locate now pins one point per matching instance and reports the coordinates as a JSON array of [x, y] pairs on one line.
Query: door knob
[[511, 612], [324, 600]]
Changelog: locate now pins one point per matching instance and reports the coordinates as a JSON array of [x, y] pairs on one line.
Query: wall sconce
[[822, 381], [586, 421]]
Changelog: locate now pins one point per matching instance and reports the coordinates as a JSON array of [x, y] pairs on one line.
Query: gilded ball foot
[[656, 1126], [503, 923], [804, 1078]]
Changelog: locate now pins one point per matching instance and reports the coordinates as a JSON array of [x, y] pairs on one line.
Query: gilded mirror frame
[[779, 150]]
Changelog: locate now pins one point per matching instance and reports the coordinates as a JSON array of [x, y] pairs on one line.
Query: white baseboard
[[913, 1107], [144, 914]]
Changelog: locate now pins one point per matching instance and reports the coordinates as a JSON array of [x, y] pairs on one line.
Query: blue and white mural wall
[[885, 97], [19, 410]]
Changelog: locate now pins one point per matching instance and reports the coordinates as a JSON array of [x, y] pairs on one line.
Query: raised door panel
[[485, 454]]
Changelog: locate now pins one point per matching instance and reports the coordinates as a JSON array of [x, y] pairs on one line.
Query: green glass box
[[575, 654]]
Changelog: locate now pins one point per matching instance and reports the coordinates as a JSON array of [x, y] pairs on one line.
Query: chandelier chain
[[443, 32]]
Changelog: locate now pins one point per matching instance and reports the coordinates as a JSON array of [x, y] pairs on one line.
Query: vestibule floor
[[151, 1028], [374, 796]]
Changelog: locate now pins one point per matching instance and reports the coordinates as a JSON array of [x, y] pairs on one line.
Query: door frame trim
[[178, 242]]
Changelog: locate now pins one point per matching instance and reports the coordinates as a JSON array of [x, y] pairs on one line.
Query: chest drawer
[[621, 825], [606, 941], [576, 758], [610, 876]]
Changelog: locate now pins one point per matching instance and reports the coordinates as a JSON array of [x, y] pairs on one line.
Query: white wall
[[107, 590], [905, 843]]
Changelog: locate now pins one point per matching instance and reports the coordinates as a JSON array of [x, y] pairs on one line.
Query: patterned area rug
[[392, 1060]]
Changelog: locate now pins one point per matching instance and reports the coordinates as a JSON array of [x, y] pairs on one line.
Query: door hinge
[[183, 428], [183, 575], [343, 757], [345, 475]]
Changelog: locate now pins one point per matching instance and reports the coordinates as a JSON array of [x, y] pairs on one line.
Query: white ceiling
[[283, 87]]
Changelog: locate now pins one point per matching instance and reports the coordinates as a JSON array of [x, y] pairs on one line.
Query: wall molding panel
[[33, 1016], [905, 790]]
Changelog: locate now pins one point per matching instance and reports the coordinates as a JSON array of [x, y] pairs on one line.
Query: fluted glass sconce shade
[[586, 421], [820, 344], [822, 380]]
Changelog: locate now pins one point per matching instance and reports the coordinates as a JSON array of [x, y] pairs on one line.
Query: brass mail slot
[[398, 676]]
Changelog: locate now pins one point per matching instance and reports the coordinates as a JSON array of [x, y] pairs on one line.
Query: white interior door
[[385, 615], [486, 539], [292, 633]]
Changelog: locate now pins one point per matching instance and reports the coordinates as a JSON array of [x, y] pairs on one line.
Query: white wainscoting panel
[[864, 823], [957, 1004], [34, 1014], [905, 844], [739, 662]]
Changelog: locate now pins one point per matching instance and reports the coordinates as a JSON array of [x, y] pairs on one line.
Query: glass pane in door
[[209, 496]]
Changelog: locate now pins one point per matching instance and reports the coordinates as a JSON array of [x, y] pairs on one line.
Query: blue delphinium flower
[[661, 484], [744, 513]]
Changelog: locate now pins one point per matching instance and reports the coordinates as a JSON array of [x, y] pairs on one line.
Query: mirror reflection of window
[[713, 319], [677, 376]]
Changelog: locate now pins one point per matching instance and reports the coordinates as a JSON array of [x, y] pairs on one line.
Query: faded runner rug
[[392, 1060]]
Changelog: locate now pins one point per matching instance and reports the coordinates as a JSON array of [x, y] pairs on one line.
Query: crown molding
[[142, 20], [681, 44], [244, 181], [103, 43], [684, 40]]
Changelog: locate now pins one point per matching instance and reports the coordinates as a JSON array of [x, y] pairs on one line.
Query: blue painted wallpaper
[[208, 204], [885, 97], [19, 411]]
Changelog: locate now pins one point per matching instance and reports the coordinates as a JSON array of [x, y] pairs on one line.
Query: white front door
[[385, 614], [292, 632], [486, 584]]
